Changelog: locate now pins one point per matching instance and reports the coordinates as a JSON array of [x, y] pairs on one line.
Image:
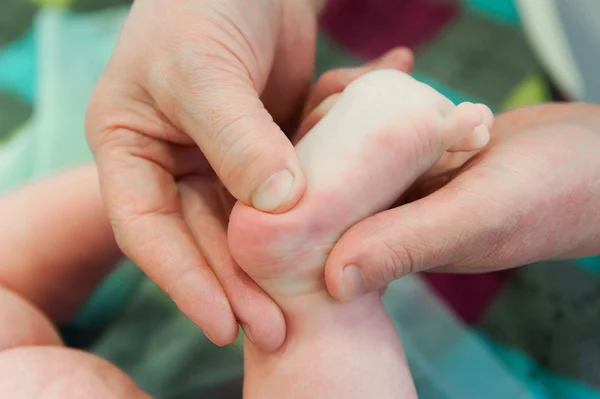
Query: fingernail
[[274, 191], [353, 283], [248, 333]]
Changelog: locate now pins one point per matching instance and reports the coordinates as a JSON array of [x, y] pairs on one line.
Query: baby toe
[[465, 117], [488, 115], [477, 139]]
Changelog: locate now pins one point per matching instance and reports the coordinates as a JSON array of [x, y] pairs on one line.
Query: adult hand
[[181, 107], [532, 194]]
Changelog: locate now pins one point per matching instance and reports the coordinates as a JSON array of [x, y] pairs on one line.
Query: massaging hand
[[532, 194], [176, 121], [178, 111]]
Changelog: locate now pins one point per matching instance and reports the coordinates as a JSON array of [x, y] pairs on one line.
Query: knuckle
[[114, 140], [237, 150], [114, 103], [397, 261], [117, 119], [99, 117], [243, 155]]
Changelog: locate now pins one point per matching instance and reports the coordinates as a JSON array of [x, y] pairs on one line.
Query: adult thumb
[[247, 150], [438, 230]]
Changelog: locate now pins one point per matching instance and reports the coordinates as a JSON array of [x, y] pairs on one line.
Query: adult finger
[[259, 316], [250, 154], [451, 226], [290, 76], [144, 208]]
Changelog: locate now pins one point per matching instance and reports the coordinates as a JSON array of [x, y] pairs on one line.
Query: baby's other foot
[[384, 131]]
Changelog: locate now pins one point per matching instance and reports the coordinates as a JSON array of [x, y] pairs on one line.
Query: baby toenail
[[353, 283]]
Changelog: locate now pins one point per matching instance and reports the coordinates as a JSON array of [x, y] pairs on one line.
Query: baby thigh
[[54, 372], [35, 364]]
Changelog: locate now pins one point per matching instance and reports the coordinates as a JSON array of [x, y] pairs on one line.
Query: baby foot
[[384, 131]]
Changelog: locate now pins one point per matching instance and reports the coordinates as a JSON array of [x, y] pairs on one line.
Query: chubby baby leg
[[53, 372], [22, 324], [34, 364], [384, 131]]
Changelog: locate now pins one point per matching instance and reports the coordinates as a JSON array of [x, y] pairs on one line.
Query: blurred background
[[526, 333], [504, 53]]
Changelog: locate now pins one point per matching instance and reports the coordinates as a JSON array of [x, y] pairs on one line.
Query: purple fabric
[[370, 28], [469, 294]]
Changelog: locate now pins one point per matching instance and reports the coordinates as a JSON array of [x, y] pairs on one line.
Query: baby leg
[[34, 364], [22, 324], [53, 372]]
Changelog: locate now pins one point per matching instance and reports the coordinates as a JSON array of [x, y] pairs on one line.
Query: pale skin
[[206, 89], [56, 244], [31, 346], [531, 195], [385, 127], [46, 219], [33, 361], [49, 216], [59, 224]]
